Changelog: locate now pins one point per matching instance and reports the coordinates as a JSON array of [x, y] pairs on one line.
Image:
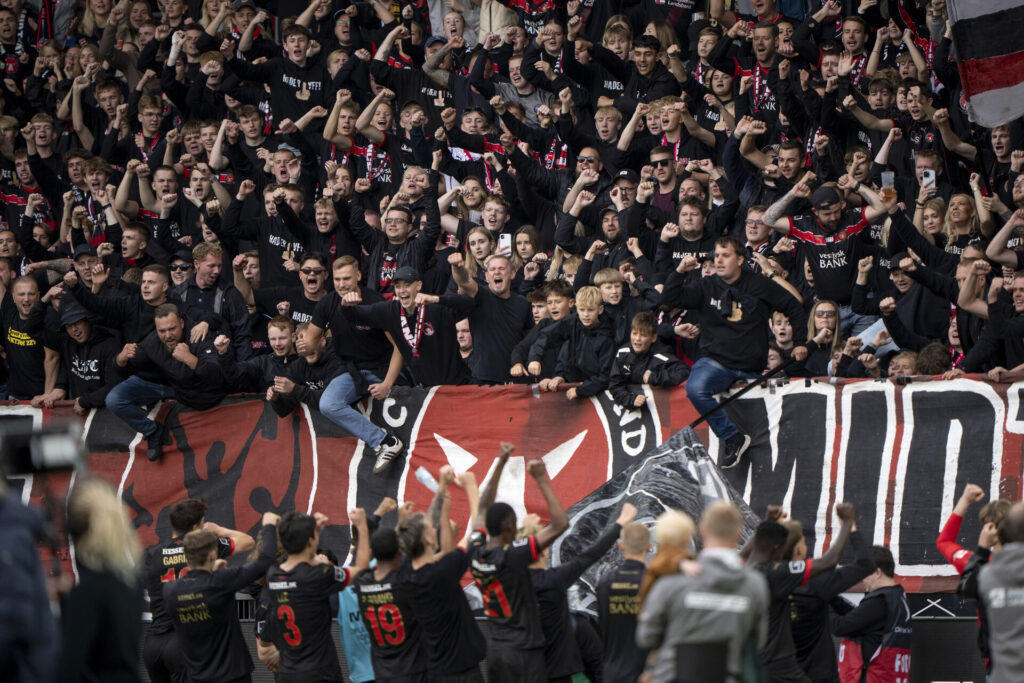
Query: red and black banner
[[902, 453]]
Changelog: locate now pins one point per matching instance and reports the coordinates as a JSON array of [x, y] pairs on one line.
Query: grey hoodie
[[1001, 589], [725, 602]]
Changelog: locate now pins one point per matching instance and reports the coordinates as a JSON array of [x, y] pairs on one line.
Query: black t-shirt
[[24, 347], [832, 256], [453, 642], [503, 576], [396, 640], [300, 608], [369, 349], [166, 563], [497, 325], [300, 308], [437, 359], [783, 579], [617, 606]]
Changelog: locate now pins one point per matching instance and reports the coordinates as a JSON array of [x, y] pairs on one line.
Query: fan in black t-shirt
[[300, 590], [501, 569], [766, 549]]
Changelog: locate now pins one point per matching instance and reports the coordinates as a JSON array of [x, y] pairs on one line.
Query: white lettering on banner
[[1013, 408], [633, 442], [995, 456], [394, 420], [970, 443]]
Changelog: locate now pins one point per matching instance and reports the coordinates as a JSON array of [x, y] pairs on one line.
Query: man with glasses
[[663, 167], [297, 303], [205, 290]]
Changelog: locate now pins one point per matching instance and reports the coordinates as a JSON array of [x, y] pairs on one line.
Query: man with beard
[[164, 365], [762, 68], [828, 239], [607, 251], [31, 351]]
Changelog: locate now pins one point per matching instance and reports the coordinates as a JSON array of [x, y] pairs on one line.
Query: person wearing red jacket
[[993, 512]]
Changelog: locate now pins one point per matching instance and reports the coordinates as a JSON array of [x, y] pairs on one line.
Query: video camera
[[52, 449]]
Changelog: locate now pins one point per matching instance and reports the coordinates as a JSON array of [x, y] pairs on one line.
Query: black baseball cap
[[241, 4], [71, 311], [406, 274], [628, 174], [436, 38], [83, 250], [825, 197]]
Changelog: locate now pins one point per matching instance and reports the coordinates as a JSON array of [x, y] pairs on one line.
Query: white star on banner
[[512, 488]]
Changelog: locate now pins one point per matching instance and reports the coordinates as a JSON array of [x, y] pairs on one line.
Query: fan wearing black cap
[[87, 368], [423, 327], [829, 239]]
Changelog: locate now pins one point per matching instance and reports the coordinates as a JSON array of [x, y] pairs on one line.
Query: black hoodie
[[87, 370]]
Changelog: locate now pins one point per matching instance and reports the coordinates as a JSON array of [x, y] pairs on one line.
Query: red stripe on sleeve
[[534, 551], [807, 571]]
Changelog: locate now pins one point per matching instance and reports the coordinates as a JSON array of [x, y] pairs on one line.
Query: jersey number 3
[[292, 635]]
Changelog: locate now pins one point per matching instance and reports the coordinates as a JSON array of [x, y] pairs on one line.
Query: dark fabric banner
[[901, 453]]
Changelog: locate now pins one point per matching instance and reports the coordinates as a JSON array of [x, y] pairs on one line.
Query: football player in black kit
[[300, 590], [201, 603], [396, 643], [501, 569], [161, 652], [430, 575]]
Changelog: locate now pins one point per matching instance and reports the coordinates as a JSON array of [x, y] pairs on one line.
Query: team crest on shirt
[[428, 329], [841, 235], [963, 101], [929, 137]]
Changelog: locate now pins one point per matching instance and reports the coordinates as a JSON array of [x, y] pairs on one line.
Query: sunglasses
[[586, 160], [181, 267], [312, 271], [824, 314], [661, 162]]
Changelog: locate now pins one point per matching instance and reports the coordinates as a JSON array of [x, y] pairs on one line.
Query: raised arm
[[363, 124], [827, 562], [558, 520], [491, 487], [997, 250], [775, 215], [467, 285]]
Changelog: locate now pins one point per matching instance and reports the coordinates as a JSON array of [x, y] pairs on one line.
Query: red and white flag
[[990, 52]]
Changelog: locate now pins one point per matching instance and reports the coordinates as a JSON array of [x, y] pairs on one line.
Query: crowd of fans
[[319, 202]]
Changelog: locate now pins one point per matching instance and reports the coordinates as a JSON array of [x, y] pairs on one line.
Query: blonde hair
[[588, 297], [947, 223], [811, 331], [673, 532], [108, 541]]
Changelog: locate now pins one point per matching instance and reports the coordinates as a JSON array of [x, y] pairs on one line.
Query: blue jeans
[[125, 401], [707, 378], [852, 324], [336, 405]]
